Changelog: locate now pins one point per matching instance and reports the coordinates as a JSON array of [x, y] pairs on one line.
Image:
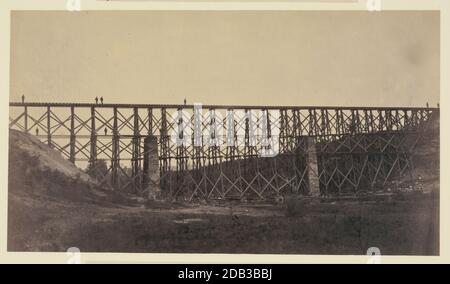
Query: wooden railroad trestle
[[231, 151]]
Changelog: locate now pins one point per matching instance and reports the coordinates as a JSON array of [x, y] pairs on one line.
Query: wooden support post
[[311, 123], [397, 120], [49, 130], [327, 123], [406, 123], [316, 123], [115, 151], [358, 127], [380, 120], [150, 121], [297, 125], [353, 123], [72, 134], [25, 111], [180, 143], [93, 142], [136, 153], [338, 123], [388, 120], [165, 155], [366, 122], [343, 122], [323, 124], [372, 122], [282, 133]]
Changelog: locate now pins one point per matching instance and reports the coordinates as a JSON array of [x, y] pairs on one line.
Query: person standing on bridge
[[184, 101], [23, 98], [96, 100], [101, 100], [106, 131], [37, 131]]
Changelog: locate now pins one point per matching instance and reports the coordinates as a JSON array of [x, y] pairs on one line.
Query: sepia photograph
[[282, 132]]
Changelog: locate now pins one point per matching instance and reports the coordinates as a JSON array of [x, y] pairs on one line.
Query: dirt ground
[[396, 226], [53, 206]]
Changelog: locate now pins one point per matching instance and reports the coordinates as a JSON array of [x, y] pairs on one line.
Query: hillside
[[44, 189], [35, 168]]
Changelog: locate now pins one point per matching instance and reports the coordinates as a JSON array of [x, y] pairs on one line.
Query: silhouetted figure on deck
[[427, 105], [438, 105], [106, 131], [96, 100], [23, 98], [185, 101], [37, 131], [101, 100]]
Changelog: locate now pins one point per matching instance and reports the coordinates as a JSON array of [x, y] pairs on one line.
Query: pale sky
[[227, 57]]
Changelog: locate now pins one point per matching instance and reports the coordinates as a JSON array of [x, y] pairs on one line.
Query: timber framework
[[243, 152]]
